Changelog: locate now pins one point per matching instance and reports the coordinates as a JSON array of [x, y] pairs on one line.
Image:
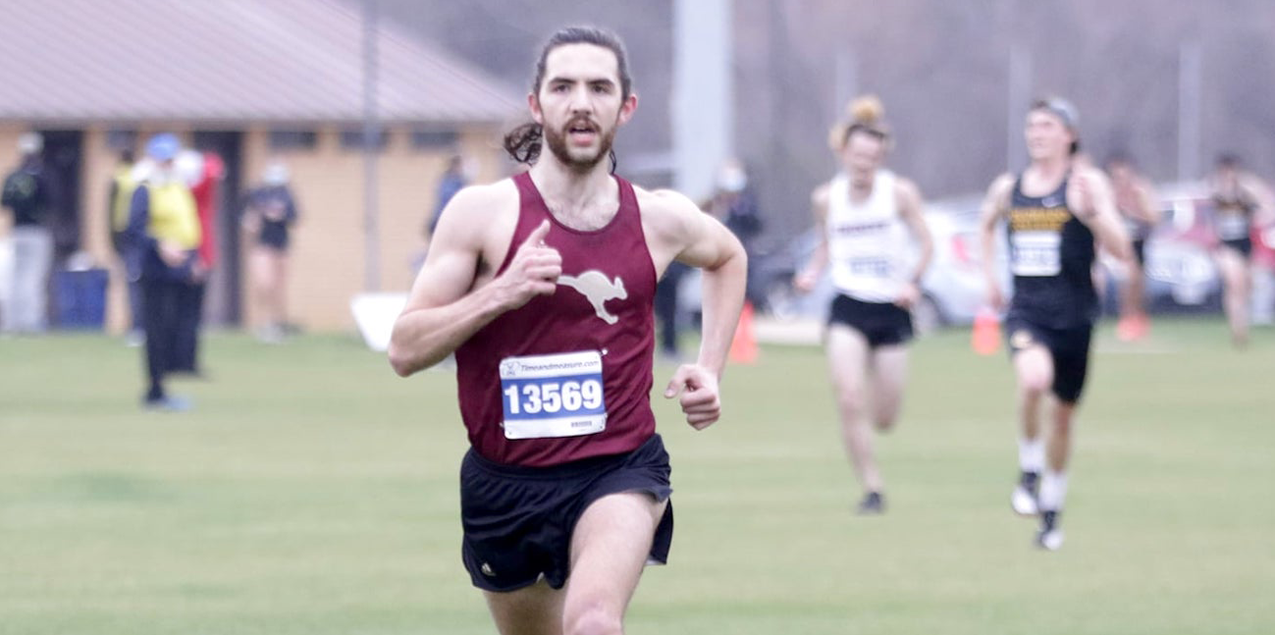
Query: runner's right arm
[[1148, 202], [1263, 197], [995, 205], [808, 277], [444, 308]]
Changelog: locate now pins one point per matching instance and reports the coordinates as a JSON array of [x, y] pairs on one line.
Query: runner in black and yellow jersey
[[1057, 212], [1241, 202]]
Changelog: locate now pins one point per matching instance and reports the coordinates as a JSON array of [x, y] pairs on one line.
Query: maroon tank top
[[567, 375]]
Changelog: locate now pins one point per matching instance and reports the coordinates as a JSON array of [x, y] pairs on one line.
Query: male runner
[[1136, 202], [866, 214], [1057, 211], [1241, 201], [542, 285]]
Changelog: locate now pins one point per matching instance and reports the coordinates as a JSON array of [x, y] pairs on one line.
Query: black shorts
[[1068, 347], [1242, 245], [518, 521], [881, 323], [1140, 251]]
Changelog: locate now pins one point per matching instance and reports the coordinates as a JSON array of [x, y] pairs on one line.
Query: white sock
[[1053, 490], [1031, 454]]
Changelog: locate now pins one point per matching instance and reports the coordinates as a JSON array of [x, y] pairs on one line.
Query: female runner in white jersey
[[868, 219]]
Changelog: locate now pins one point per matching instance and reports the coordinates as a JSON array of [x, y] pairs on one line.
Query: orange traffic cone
[[986, 338], [743, 347]]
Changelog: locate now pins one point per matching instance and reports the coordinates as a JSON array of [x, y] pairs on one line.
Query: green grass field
[[314, 492]]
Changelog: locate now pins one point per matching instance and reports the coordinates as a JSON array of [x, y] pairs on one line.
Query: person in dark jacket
[[163, 226], [26, 194]]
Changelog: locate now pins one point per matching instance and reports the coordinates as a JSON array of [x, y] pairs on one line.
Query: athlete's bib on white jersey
[[549, 396], [867, 242]]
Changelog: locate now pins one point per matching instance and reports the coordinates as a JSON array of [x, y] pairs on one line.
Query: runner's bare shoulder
[[479, 211], [666, 212], [998, 194], [820, 195]]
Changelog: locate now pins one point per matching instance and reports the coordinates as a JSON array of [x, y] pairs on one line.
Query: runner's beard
[[556, 139]]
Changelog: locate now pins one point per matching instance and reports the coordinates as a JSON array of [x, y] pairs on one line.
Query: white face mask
[[164, 175], [732, 179], [148, 171], [276, 174], [189, 167]]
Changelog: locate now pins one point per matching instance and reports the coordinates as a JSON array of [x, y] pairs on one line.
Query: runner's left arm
[[713, 248], [808, 276], [910, 208], [702, 241], [1149, 202], [1097, 209], [1265, 199]]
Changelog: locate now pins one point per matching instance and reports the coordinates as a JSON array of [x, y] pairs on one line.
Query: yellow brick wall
[[327, 265], [328, 245]]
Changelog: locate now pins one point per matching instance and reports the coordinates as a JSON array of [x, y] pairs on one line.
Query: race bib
[[1232, 227], [872, 267], [1036, 253], [549, 396]]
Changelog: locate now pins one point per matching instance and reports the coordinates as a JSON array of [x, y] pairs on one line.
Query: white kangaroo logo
[[595, 286]]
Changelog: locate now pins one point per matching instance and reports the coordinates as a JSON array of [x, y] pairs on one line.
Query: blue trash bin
[[80, 299]]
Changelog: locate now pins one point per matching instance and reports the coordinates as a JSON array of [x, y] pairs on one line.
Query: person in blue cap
[[163, 225]]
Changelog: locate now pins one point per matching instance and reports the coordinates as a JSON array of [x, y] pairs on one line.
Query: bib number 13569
[[556, 395], [553, 397]]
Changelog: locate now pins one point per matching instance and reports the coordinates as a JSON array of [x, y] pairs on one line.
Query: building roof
[[227, 61]]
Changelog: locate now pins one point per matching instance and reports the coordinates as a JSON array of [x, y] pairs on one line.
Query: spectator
[[201, 171], [666, 311], [120, 195], [735, 205], [269, 214], [452, 181], [26, 194]]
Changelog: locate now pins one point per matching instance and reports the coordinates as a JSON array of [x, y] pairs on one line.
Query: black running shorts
[[518, 521], [881, 323], [1068, 347], [1243, 245]]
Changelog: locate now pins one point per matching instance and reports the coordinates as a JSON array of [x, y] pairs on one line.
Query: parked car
[[954, 287]]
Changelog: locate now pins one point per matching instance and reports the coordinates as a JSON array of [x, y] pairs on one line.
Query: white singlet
[[867, 242]]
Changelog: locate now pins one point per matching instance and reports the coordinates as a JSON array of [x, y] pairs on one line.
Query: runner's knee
[[1035, 384], [1035, 379], [593, 619], [850, 402], [885, 418], [885, 423]]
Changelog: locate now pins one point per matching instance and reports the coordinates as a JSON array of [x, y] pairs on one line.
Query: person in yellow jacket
[[163, 229], [118, 200]]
